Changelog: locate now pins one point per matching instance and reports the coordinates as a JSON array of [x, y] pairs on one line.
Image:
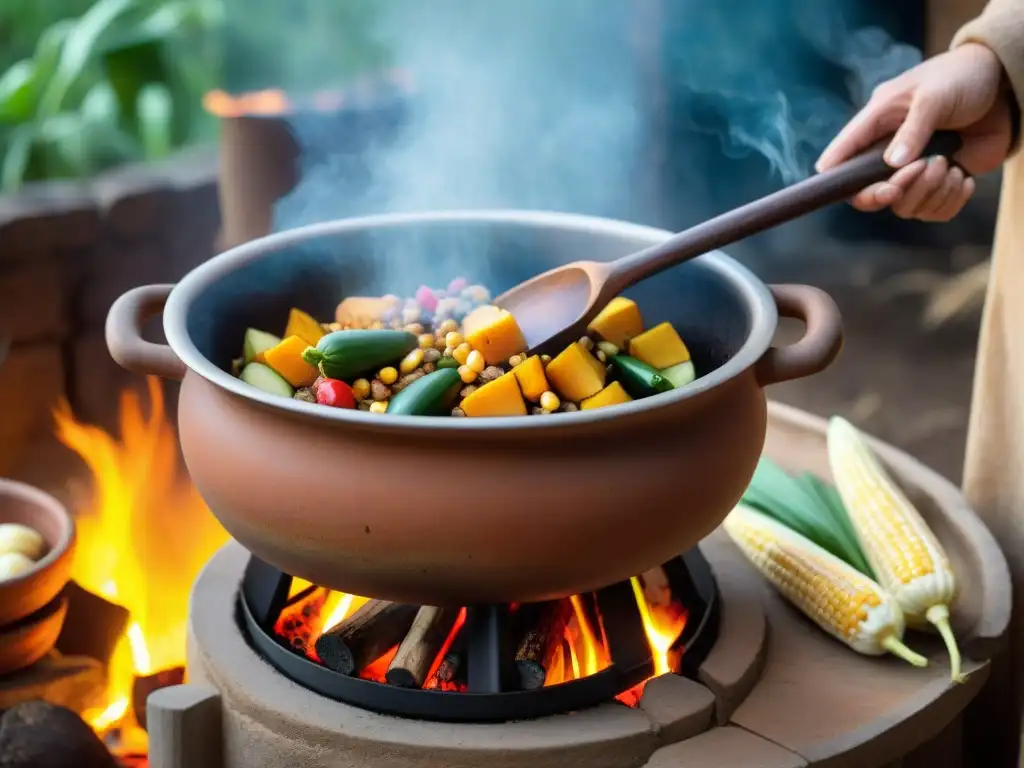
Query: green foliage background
[[88, 84]]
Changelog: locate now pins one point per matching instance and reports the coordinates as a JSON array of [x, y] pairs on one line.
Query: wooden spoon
[[554, 308]]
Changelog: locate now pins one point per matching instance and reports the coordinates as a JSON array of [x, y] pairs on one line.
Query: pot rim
[[13, 489], [764, 317]]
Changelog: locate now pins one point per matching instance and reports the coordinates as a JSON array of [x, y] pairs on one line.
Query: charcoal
[[37, 734], [93, 625]]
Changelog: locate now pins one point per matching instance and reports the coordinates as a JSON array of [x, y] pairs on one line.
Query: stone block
[[725, 748], [48, 218], [679, 708], [32, 301], [98, 382], [114, 269], [75, 682], [132, 199], [31, 381]]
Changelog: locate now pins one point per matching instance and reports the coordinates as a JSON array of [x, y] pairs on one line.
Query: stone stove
[[772, 692]]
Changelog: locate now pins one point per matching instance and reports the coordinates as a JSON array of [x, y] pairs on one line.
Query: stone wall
[[67, 251]]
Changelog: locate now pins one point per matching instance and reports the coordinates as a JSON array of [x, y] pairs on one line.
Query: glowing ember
[[142, 540], [311, 611]]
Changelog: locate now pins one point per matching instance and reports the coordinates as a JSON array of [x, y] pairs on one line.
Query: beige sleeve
[[1001, 28]]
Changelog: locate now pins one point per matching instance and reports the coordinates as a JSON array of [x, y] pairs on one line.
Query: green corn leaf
[[832, 503], [800, 506]]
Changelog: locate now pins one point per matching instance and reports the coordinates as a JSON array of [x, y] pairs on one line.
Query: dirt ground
[[896, 378]]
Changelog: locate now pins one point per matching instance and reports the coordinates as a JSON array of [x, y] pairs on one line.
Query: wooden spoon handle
[[819, 191]]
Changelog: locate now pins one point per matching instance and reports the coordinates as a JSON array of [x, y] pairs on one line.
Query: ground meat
[[431, 355], [458, 412], [469, 389], [406, 380], [490, 373], [379, 390], [305, 394]]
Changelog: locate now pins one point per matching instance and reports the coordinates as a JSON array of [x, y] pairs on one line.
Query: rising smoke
[[540, 103]]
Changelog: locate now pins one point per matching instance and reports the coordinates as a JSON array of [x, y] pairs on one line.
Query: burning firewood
[[451, 672], [657, 589], [420, 647], [543, 626], [365, 636], [93, 625]]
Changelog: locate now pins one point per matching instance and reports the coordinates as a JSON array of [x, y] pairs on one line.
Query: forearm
[[1000, 27]]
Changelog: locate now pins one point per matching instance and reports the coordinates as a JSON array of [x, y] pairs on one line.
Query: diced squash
[[360, 310], [494, 332], [257, 342], [286, 359], [618, 322], [500, 397], [660, 347], [576, 374], [305, 327], [613, 394], [532, 380]]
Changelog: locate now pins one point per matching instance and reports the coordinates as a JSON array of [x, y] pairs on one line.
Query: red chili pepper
[[335, 393]]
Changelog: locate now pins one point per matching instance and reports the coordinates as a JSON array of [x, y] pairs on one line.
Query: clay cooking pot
[[454, 510]]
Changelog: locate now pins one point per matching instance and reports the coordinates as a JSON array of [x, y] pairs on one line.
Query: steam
[[539, 104], [519, 103], [750, 79]]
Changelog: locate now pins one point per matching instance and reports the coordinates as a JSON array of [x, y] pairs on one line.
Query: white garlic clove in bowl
[[14, 564], [20, 539]]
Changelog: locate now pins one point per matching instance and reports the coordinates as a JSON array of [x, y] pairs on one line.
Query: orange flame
[[266, 103], [142, 539]]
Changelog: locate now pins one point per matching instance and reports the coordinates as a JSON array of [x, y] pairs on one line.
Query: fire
[[312, 610], [270, 102], [142, 539]]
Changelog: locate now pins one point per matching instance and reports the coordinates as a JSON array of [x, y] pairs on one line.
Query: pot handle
[[124, 333], [820, 343]]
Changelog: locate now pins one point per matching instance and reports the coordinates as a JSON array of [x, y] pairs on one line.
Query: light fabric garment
[[994, 469]]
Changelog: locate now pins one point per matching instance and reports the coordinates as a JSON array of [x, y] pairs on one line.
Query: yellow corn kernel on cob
[[905, 555], [835, 596]]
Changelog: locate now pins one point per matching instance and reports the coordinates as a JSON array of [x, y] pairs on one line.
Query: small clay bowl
[[23, 595], [27, 641]]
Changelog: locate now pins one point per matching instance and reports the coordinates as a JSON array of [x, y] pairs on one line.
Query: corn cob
[[837, 597], [907, 559]]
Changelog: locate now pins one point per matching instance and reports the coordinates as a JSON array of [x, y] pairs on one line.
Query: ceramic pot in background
[[440, 510]]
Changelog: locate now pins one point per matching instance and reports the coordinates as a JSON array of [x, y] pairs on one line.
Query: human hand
[[960, 90]]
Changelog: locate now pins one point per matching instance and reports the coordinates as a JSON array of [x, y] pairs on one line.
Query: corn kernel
[[515, 360], [601, 356], [608, 348], [411, 361], [426, 340], [414, 328], [467, 374], [461, 353], [360, 388], [587, 343], [388, 375], [379, 406], [475, 360], [447, 327], [549, 402], [453, 339], [449, 351]]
